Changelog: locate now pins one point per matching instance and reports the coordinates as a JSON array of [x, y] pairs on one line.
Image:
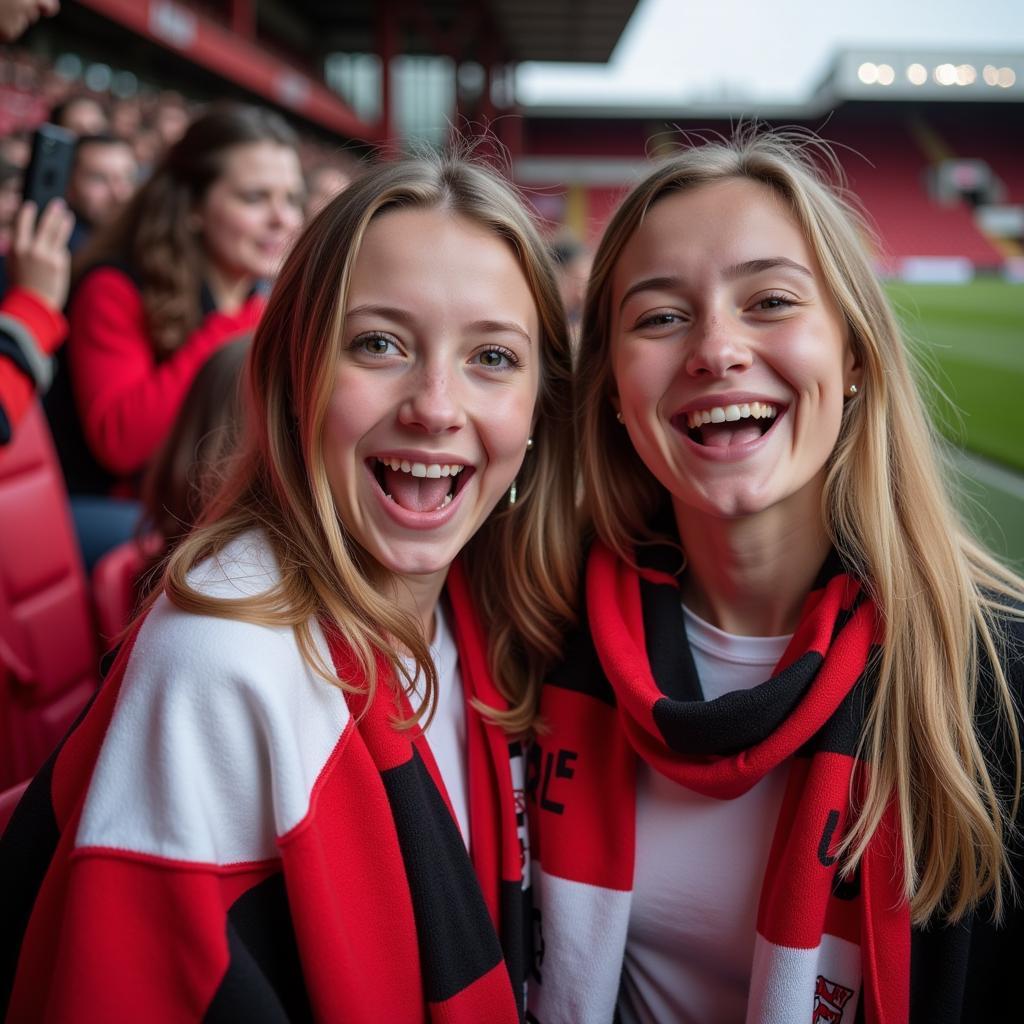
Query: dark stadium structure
[[275, 51]]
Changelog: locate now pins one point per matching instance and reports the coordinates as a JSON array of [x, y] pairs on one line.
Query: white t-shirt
[[699, 866], [446, 733]]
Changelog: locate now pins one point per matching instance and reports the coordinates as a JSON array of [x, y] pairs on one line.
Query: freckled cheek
[[505, 425], [348, 419]]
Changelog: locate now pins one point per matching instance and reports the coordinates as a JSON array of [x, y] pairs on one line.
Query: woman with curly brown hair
[[179, 273]]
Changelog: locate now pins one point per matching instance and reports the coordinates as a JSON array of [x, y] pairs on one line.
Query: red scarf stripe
[[487, 748], [810, 824], [494, 841], [578, 781]]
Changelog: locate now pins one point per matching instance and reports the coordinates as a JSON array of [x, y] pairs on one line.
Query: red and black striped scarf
[[461, 905], [629, 690], [372, 910]]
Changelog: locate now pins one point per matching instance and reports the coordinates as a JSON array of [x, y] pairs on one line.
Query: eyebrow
[[745, 269], [405, 318], [770, 263], [650, 284]]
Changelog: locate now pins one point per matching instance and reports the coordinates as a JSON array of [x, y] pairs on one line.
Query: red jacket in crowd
[[30, 331], [127, 401]]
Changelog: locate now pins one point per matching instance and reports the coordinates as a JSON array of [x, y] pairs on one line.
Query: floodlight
[[868, 73], [917, 74]]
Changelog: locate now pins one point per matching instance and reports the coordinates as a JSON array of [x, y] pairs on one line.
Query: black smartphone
[[49, 166]]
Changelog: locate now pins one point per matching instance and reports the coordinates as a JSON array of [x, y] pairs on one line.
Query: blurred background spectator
[[169, 118], [34, 261], [80, 114], [18, 15], [323, 183], [15, 149], [10, 200], [126, 118], [572, 264], [104, 177]]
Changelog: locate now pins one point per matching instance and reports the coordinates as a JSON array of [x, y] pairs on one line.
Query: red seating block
[[48, 656]]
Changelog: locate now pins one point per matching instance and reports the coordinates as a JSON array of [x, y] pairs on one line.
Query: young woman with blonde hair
[[295, 796], [781, 774]]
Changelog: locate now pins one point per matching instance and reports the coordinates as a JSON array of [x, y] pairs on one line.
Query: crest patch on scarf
[[829, 999]]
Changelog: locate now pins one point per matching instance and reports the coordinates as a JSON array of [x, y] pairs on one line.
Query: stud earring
[[529, 444], [618, 416], [852, 390]]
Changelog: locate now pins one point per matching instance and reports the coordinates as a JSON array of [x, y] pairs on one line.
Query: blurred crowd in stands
[[126, 309]]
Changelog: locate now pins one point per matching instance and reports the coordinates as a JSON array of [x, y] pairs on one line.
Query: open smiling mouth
[[420, 486], [723, 426]]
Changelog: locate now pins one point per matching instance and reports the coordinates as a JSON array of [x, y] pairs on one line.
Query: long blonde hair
[[521, 564], [887, 510]]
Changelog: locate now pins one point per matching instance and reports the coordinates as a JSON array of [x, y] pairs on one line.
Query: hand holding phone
[[39, 259]]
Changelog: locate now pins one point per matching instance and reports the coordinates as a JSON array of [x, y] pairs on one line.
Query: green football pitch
[[970, 343]]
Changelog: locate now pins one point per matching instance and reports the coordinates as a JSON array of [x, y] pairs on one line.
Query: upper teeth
[[731, 413], [427, 469]]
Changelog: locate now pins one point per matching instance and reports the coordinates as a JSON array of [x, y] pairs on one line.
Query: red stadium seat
[[114, 579], [48, 655]]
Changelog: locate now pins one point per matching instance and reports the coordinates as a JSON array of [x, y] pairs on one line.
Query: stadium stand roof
[[276, 49], [551, 30]]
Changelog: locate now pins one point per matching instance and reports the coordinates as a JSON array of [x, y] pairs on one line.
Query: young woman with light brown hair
[[296, 794], [782, 769]]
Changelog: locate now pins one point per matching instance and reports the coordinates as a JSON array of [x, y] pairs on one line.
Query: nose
[[717, 347], [433, 404], [284, 213]]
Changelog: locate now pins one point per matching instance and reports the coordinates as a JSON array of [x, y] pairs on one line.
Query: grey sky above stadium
[[695, 50]]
